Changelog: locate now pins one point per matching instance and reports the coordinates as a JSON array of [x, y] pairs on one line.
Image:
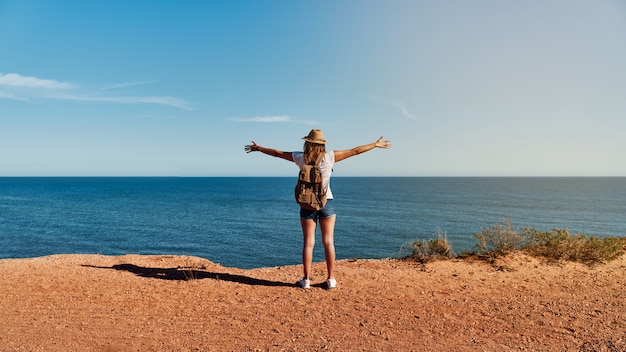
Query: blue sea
[[250, 222]]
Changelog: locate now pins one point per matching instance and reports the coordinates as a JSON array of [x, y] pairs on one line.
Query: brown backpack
[[310, 192]]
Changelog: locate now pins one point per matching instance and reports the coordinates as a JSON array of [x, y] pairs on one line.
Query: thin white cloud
[[31, 88], [265, 119], [400, 106], [124, 85], [15, 80], [11, 96], [169, 101], [273, 119]]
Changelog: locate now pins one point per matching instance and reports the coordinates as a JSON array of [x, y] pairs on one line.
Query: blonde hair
[[312, 150]]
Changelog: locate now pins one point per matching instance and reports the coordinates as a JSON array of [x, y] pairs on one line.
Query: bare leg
[[308, 231], [327, 226]]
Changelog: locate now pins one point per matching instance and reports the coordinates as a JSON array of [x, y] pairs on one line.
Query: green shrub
[[425, 251], [559, 245], [502, 239]]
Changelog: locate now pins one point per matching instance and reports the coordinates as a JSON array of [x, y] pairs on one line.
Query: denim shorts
[[327, 212]]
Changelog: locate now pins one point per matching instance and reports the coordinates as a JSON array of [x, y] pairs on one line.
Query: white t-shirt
[[326, 166]]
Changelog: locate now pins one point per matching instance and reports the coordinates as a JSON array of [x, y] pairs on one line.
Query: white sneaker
[[331, 283], [305, 283]]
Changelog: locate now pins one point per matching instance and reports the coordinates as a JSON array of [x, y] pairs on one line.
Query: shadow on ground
[[186, 274]]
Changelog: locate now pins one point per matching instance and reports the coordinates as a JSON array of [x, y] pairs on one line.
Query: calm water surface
[[251, 222]]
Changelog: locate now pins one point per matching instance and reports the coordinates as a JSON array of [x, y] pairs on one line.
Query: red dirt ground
[[151, 303]]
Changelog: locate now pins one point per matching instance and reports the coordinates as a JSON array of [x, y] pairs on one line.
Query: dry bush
[[424, 251], [190, 270], [500, 239]]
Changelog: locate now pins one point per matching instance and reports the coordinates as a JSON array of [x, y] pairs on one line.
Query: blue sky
[[176, 88]]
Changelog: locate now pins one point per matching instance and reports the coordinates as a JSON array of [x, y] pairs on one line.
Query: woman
[[314, 145]]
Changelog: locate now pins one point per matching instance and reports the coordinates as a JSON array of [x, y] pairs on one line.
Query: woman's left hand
[[383, 144]]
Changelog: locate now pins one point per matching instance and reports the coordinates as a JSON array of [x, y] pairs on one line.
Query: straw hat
[[315, 136]]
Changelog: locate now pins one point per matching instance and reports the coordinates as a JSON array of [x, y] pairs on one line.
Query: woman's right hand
[[251, 147]]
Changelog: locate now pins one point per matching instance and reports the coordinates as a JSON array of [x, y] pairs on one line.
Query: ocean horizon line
[[295, 175]]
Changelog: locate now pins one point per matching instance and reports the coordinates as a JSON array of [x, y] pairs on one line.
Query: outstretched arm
[[269, 151], [344, 154]]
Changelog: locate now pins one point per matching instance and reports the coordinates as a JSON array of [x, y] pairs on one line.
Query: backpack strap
[[318, 161]]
